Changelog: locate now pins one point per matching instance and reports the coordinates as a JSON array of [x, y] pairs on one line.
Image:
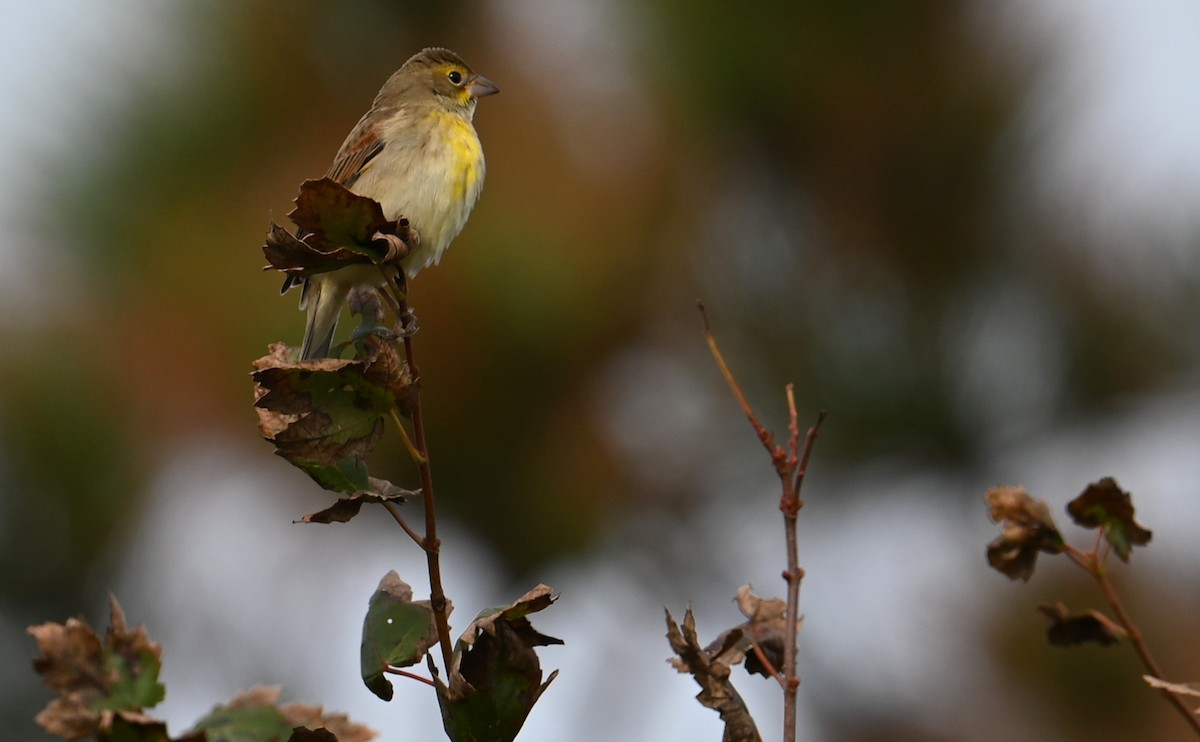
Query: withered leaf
[[325, 416], [320, 411], [1087, 627], [101, 686], [337, 228], [334, 215], [257, 715], [495, 675], [766, 626], [313, 724], [377, 491], [1105, 505], [301, 734], [249, 715], [712, 675], [397, 632], [383, 367], [1026, 527]]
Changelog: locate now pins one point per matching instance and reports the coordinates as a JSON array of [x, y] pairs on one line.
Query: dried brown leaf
[[336, 228], [1105, 505], [1087, 627], [1026, 528], [717, 692], [313, 720]]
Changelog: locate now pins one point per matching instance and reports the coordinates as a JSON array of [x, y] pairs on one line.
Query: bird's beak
[[481, 86]]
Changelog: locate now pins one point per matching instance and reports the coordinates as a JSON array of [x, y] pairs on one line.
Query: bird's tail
[[323, 298]]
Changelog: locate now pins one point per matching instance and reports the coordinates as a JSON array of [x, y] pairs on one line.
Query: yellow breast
[[433, 180]]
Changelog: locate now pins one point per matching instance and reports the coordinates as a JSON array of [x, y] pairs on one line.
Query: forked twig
[[791, 465]]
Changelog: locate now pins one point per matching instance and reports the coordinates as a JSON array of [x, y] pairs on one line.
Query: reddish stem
[[1139, 646], [791, 471], [403, 673], [430, 542]]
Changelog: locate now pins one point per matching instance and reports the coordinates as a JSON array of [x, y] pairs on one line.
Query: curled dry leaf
[[766, 626], [336, 228], [1026, 527], [711, 673], [1068, 629], [1105, 505]]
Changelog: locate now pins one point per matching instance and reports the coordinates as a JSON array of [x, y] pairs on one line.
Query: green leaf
[[137, 685], [245, 724], [348, 475], [1105, 505], [397, 632]]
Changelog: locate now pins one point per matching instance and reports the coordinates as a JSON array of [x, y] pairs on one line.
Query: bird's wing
[[356, 152]]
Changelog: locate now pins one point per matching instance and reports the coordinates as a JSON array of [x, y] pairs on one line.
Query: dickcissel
[[416, 153]]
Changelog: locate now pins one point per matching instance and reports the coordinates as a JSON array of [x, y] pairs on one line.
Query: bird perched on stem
[[416, 153]]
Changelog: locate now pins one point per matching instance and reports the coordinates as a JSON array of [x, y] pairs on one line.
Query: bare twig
[[791, 468], [790, 504], [767, 437]]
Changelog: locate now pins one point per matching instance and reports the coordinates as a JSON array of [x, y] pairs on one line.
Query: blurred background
[[966, 230]]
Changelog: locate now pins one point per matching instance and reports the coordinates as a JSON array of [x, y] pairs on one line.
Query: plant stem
[[430, 543], [764, 435], [395, 513], [791, 471], [1139, 646], [790, 503], [406, 674]]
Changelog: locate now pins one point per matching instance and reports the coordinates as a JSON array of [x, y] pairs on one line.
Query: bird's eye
[[456, 77]]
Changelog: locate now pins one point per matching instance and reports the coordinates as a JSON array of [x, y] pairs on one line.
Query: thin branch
[[766, 663], [416, 455], [394, 510], [802, 467], [397, 671], [1139, 646], [793, 426], [431, 544], [790, 503], [764, 435], [791, 469]]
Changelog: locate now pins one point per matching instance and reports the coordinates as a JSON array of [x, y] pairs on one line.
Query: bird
[[416, 152]]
